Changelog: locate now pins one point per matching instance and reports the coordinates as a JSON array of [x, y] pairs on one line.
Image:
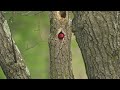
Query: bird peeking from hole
[[61, 35]]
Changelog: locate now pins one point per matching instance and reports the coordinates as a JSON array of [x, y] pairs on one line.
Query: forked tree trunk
[[98, 36], [60, 53], [11, 60]]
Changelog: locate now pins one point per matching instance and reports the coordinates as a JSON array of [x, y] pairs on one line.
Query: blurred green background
[[30, 32]]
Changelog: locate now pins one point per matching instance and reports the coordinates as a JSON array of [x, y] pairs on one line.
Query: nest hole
[[63, 14]]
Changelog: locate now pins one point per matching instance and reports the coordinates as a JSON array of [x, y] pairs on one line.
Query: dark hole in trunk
[[63, 14]]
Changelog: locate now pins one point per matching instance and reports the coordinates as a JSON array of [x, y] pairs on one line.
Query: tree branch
[[11, 69]]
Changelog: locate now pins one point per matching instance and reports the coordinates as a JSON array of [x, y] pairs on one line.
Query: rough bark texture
[[98, 36], [60, 53], [11, 62]]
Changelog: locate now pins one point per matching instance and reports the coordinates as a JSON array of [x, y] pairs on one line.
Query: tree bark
[[11, 60], [98, 36], [60, 53]]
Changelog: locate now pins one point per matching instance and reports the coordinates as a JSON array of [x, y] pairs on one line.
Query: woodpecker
[[61, 35]]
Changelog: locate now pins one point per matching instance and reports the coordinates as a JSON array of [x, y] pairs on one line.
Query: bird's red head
[[61, 35]]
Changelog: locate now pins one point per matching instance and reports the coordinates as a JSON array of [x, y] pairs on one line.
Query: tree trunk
[[98, 37], [11, 60], [60, 53]]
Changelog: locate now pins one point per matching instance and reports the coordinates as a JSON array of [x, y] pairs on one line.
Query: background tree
[[11, 60], [60, 46], [98, 37]]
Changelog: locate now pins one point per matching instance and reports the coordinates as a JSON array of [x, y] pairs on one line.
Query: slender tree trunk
[[11, 60], [98, 37], [60, 53]]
